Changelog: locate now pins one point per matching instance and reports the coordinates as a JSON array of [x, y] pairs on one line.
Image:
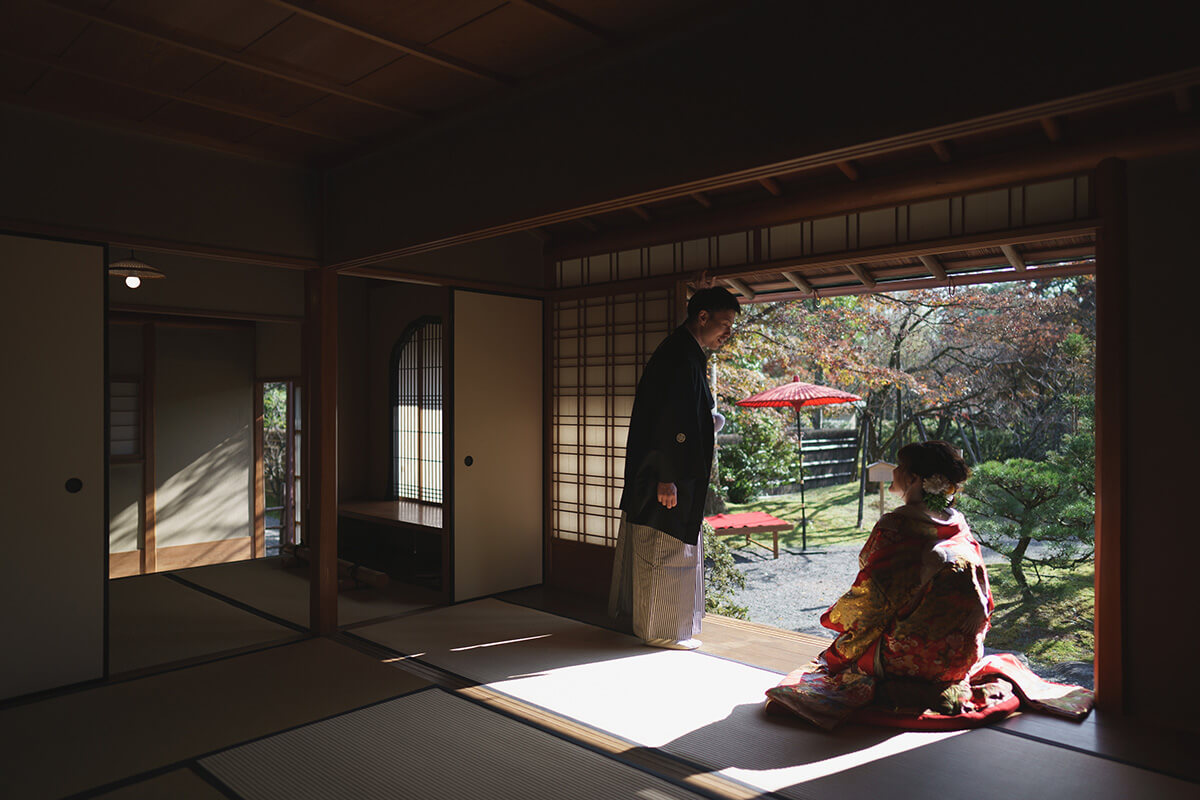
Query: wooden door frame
[[260, 487]]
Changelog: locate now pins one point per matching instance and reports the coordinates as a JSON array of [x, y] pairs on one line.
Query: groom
[[658, 570]]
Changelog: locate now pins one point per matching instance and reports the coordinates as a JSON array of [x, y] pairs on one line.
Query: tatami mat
[[430, 744], [90, 738], [180, 784], [267, 585], [708, 710], [154, 620], [1121, 738]]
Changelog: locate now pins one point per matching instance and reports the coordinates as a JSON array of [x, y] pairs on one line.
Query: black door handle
[[73, 485]]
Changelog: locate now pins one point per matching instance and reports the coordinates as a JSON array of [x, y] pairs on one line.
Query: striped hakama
[[660, 580]]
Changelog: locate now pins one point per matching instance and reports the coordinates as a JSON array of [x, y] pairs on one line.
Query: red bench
[[749, 523]]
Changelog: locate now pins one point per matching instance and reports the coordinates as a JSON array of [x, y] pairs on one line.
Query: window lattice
[[601, 345], [417, 413], [125, 417]]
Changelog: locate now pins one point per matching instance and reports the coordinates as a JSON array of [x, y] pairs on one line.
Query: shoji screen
[[600, 345]]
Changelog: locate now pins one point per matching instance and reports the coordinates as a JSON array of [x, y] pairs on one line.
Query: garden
[[1004, 372]]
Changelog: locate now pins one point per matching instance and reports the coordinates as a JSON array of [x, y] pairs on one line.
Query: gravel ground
[[792, 592]]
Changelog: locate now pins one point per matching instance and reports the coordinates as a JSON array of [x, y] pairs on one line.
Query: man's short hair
[[715, 299]]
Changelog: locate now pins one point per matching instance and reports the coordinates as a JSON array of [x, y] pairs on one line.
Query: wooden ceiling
[[310, 82]]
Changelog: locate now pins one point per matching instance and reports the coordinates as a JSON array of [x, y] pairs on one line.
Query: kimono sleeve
[[862, 615], [675, 439]]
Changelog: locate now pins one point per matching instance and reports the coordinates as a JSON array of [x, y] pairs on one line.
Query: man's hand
[[668, 495]]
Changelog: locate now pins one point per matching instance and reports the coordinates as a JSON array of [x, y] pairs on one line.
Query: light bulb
[[133, 281]]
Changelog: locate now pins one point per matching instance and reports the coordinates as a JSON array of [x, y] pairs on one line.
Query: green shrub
[[721, 577], [762, 454]]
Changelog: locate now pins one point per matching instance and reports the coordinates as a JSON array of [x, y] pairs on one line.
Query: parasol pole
[[803, 506], [864, 434]]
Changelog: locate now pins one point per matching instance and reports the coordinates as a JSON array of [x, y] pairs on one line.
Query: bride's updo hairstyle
[[926, 459]]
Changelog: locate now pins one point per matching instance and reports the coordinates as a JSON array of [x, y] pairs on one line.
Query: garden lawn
[[832, 514], [1054, 624]]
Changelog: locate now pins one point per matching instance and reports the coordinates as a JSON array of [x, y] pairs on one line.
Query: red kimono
[[909, 650]]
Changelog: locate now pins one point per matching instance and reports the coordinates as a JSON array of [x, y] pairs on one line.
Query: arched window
[[417, 412]]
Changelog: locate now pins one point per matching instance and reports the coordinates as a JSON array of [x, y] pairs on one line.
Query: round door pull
[[73, 485], [468, 461]]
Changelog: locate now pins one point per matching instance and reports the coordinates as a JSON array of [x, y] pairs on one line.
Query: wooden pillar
[[149, 556], [259, 537], [1112, 332], [320, 451]]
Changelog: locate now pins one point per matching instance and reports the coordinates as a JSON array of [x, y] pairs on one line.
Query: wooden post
[[1112, 337], [803, 505], [149, 470], [320, 407], [258, 549], [865, 425]]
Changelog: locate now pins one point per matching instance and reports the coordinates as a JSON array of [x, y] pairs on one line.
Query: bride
[[910, 631]]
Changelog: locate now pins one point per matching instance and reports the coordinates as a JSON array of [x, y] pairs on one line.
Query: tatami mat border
[[454, 680], [1106, 756], [192, 762], [237, 603], [461, 685], [150, 672]]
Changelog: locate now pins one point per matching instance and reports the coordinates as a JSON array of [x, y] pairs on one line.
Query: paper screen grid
[[417, 416], [601, 345]]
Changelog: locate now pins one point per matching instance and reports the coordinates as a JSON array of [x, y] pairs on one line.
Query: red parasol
[[798, 394]]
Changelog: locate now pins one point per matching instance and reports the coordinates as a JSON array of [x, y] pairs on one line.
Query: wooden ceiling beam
[[588, 224], [201, 102], [1052, 128], [942, 150], [863, 275], [574, 20], [1014, 258], [1183, 99], [701, 198], [902, 285], [829, 284], [641, 213], [148, 30], [415, 49], [146, 127], [741, 288], [934, 266], [771, 185], [1030, 164], [799, 283], [849, 169]]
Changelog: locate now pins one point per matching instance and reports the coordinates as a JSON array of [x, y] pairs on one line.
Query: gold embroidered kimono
[[910, 639]]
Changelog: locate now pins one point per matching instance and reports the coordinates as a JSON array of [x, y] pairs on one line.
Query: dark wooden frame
[[149, 557], [1112, 357], [584, 566], [402, 342], [320, 342]]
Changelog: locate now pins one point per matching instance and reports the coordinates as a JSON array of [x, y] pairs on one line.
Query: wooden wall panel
[[1160, 542], [202, 553]]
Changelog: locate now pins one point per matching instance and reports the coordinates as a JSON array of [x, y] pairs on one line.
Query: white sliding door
[[498, 427], [52, 572]]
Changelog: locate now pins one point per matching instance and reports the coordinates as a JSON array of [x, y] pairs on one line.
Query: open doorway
[[1005, 372], [281, 436]]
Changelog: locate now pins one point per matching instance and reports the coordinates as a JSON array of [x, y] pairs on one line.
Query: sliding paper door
[[497, 443], [52, 528]]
